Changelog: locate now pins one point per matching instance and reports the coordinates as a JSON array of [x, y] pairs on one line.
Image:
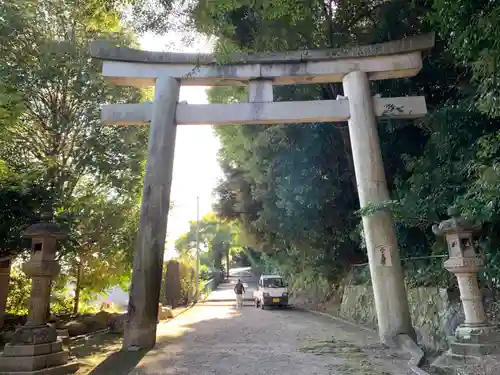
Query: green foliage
[[55, 155], [22, 198], [469, 27], [61, 89], [20, 289], [19, 292], [205, 273], [292, 187], [218, 240], [61, 301], [112, 225]]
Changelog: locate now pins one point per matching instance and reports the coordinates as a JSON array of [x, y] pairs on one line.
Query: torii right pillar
[[387, 277]]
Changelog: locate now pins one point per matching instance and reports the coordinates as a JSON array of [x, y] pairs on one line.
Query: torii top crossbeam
[[395, 59]]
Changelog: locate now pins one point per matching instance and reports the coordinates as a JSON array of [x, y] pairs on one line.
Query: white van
[[271, 291]]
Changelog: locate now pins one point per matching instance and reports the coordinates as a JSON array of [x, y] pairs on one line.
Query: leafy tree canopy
[[292, 187], [55, 154], [218, 240]]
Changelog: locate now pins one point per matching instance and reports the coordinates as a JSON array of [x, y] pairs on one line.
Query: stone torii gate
[[354, 67]]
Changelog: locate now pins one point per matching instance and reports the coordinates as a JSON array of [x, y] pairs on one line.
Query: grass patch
[[355, 360], [100, 354], [94, 350], [333, 347], [361, 369]]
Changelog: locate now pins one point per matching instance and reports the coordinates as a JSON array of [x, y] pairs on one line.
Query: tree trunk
[[344, 131], [227, 263], [4, 287], [77, 288]]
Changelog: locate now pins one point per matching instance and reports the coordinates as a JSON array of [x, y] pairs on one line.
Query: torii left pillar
[[140, 332]]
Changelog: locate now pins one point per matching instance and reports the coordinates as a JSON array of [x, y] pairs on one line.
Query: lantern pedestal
[[474, 337], [35, 348], [47, 358]]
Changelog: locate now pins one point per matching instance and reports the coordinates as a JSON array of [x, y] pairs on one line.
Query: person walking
[[239, 290]]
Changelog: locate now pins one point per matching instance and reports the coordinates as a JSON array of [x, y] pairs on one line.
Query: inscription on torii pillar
[[354, 67]]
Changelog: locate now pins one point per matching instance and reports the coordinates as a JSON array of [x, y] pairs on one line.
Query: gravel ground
[[216, 338]]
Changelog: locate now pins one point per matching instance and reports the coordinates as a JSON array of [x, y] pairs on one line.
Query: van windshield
[[273, 283]]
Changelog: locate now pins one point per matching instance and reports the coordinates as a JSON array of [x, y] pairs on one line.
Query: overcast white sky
[[196, 170]]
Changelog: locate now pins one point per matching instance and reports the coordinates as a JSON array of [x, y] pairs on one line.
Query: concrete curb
[[404, 342], [417, 370], [86, 336], [180, 313], [333, 317], [193, 304]]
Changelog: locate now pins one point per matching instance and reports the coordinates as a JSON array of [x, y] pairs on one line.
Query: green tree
[[292, 187], [103, 234], [19, 292], [218, 240], [469, 29], [50, 97], [61, 89], [22, 200]]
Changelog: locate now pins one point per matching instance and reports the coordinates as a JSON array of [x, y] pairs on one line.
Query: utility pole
[[197, 296]]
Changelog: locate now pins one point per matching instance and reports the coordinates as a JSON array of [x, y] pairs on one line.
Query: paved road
[[216, 338]]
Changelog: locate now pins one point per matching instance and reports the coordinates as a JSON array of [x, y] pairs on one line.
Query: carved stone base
[[475, 341], [11, 350], [470, 344], [46, 358], [66, 369], [477, 334], [34, 335]]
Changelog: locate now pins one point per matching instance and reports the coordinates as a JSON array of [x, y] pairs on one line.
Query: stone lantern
[[35, 348], [474, 337]]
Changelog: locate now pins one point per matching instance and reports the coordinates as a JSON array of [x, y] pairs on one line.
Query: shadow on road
[[177, 336], [173, 337], [178, 340], [217, 339], [119, 363]]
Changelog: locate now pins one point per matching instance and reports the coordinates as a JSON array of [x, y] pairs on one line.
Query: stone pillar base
[[68, 368], [470, 343], [36, 351], [475, 340], [34, 335], [139, 338]]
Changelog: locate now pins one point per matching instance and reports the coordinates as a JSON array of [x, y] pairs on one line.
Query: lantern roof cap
[[455, 224], [45, 228]]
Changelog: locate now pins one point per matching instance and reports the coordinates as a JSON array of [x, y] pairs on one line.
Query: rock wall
[[435, 312]]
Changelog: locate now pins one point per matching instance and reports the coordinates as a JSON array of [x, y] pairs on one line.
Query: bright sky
[[196, 170]]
